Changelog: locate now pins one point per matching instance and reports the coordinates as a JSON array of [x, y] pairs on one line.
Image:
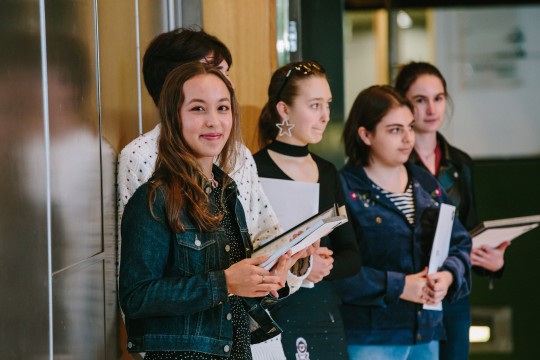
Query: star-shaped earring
[[285, 128]]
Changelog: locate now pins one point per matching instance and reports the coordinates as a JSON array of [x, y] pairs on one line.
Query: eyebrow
[[204, 101], [425, 96], [320, 99], [401, 125]]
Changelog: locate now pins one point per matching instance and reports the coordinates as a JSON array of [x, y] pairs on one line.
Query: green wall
[[509, 188], [322, 40]]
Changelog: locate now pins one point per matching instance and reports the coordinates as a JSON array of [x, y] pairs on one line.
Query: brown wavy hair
[[177, 172]]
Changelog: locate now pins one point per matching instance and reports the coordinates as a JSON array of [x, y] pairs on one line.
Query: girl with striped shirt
[[393, 206]]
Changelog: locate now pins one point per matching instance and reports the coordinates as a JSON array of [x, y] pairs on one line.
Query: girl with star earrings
[[296, 115], [188, 287], [394, 207]]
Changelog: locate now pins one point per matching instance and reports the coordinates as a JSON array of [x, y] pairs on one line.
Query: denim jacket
[[392, 248], [172, 285]]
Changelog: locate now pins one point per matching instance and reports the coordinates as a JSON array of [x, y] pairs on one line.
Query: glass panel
[[74, 136], [23, 210]]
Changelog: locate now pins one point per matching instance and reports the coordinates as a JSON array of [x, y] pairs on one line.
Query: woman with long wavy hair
[[187, 285]]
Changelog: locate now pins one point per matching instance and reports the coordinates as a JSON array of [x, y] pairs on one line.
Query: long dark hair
[[370, 106], [177, 171], [284, 86]]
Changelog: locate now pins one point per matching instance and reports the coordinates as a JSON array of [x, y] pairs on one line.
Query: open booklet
[[441, 244], [495, 232], [302, 235]]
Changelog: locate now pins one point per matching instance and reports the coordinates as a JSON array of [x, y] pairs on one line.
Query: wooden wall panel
[[248, 28]]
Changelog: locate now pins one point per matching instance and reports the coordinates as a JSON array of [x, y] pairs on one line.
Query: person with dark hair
[[296, 115], [187, 285], [137, 160], [394, 208], [424, 85], [180, 46]]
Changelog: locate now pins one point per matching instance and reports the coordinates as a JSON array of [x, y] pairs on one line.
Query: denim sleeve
[[144, 290], [371, 287]]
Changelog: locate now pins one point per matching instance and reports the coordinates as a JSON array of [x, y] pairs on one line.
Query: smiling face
[[429, 100], [393, 139], [206, 117], [309, 112]]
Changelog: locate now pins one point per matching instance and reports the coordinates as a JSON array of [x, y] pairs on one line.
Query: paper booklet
[[292, 201], [495, 232], [441, 244], [310, 231]]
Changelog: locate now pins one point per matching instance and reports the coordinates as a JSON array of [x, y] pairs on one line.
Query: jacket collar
[[445, 152]]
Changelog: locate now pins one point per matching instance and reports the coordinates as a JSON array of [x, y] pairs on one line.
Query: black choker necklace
[[288, 149]]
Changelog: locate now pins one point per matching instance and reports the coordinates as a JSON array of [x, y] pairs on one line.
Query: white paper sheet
[[441, 244], [292, 201]]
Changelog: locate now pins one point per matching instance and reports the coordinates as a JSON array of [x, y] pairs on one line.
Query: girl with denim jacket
[[187, 287], [394, 208], [425, 87]]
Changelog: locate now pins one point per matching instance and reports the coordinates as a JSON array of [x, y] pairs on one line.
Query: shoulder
[[354, 176], [145, 141], [145, 147], [454, 154], [143, 192], [428, 182], [324, 165], [136, 164], [262, 159], [261, 154]]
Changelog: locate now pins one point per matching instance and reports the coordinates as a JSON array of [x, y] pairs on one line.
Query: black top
[[342, 240]]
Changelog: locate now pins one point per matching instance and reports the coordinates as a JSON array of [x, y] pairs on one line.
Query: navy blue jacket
[[172, 285], [391, 248]]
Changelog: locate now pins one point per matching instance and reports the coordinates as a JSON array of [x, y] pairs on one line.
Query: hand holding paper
[[245, 278], [489, 258], [311, 230], [437, 287], [323, 262], [415, 284]]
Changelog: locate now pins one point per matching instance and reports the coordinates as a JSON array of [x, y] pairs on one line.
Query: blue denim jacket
[[391, 248], [172, 285]]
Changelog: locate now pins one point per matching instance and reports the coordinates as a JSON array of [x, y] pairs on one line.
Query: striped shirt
[[403, 201]]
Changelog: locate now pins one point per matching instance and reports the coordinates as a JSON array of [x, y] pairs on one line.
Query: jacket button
[[227, 248], [129, 345], [226, 348], [229, 316], [378, 219], [198, 242], [418, 337]]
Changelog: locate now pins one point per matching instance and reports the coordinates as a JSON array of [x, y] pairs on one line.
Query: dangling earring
[[285, 128]]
